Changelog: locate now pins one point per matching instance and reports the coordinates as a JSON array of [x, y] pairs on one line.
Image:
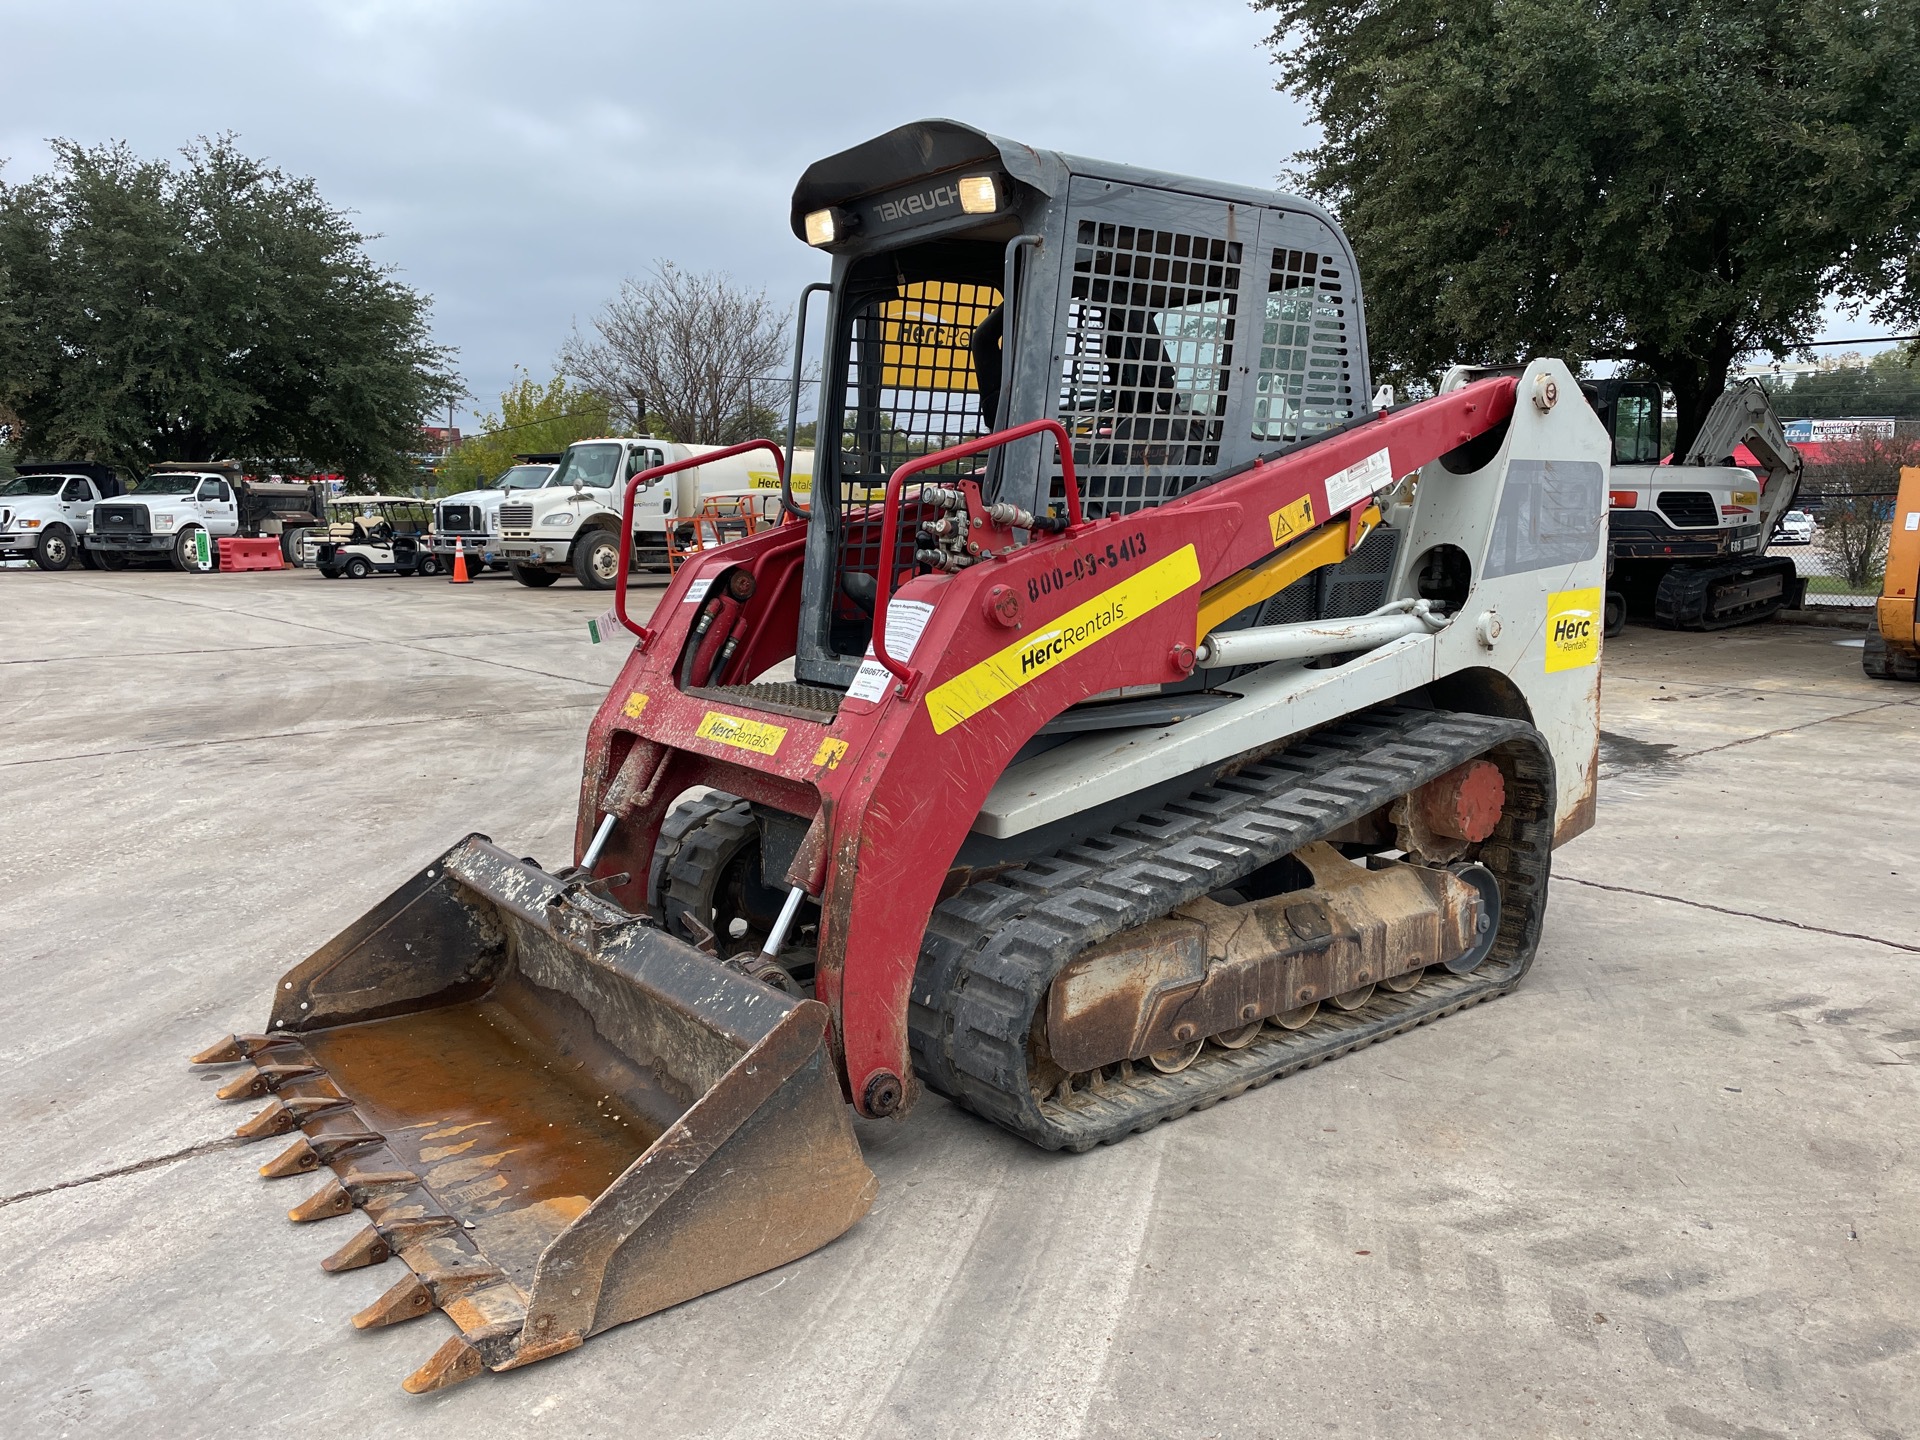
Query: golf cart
[[374, 535]]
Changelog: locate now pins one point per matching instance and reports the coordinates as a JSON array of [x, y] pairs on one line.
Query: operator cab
[[1177, 329], [1631, 410]]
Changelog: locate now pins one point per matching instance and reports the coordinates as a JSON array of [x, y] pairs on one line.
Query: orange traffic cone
[[460, 576]]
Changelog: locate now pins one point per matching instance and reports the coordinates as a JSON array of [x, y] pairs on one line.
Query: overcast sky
[[517, 160]]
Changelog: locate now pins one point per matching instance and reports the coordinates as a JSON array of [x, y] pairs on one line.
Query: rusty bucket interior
[[559, 1117]]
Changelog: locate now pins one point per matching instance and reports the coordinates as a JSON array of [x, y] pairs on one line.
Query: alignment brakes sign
[[1573, 629], [1087, 624]]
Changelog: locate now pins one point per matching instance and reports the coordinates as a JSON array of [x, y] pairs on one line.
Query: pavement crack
[[206, 1147], [1742, 914], [1787, 729]]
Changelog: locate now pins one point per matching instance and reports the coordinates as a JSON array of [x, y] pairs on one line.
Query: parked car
[[1796, 528]]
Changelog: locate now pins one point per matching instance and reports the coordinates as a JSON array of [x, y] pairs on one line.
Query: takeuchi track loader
[[1133, 717]]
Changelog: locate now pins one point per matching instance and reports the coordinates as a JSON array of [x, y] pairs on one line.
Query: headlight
[[980, 194], [163, 522], [829, 226], [562, 517], [30, 524]]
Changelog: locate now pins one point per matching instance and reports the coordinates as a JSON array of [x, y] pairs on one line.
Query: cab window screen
[[1148, 353], [1304, 387], [913, 387]]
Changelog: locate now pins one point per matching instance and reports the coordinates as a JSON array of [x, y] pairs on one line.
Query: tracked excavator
[[1689, 539], [1132, 717]]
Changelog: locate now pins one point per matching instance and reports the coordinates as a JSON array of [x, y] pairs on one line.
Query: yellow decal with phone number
[[1573, 629], [1057, 641]]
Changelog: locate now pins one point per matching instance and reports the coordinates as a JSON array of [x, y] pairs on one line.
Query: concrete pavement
[[1668, 1188]]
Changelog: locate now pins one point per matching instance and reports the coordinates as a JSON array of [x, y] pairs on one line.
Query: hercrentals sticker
[[741, 733], [1573, 629], [1088, 623]]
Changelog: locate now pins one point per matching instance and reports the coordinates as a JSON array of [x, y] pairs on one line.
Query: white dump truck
[[182, 508], [47, 509], [572, 523]]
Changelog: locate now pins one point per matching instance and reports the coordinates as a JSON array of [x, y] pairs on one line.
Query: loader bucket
[[558, 1117]]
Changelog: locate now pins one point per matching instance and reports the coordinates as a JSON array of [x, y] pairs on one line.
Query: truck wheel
[[597, 558], [535, 579], [357, 567], [186, 557], [110, 559], [291, 542], [55, 550], [89, 559], [1616, 614]]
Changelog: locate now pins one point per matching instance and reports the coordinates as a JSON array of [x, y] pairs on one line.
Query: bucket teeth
[[299, 1158], [450, 1364], [232, 1048], [280, 1116], [407, 1300], [305, 1156], [276, 1119], [369, 1247], [259, 1079], [331, 1199]]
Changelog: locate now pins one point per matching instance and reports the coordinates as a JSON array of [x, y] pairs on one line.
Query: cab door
[[76, 504], [218, 507]]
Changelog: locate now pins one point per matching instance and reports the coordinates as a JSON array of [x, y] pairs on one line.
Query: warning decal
[[1291, 520]]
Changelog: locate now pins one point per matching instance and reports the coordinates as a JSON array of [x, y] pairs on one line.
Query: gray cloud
[[518, 159]]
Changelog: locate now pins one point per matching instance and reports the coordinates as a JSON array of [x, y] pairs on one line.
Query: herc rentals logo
[[1005, 671], [1573, 629]]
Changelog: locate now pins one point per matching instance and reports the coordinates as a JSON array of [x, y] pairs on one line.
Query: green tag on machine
[[203, 549]]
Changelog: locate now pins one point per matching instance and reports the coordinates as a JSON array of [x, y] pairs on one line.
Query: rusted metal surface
[[557, 1117], [1215, 969], [1466, 802]]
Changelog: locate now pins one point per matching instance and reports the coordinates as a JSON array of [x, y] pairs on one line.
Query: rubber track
[[992, 951], [1680, 602]]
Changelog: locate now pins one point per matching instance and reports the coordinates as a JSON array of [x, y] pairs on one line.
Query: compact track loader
[[1133, 717]]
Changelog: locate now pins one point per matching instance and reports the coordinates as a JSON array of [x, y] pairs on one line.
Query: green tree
[[217, 308], [534, 418], [1665, 183], [1888, 384]]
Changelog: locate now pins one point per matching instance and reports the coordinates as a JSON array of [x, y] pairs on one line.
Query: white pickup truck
[[179, 510], [471, 519], [47, 509], [572, 523]]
